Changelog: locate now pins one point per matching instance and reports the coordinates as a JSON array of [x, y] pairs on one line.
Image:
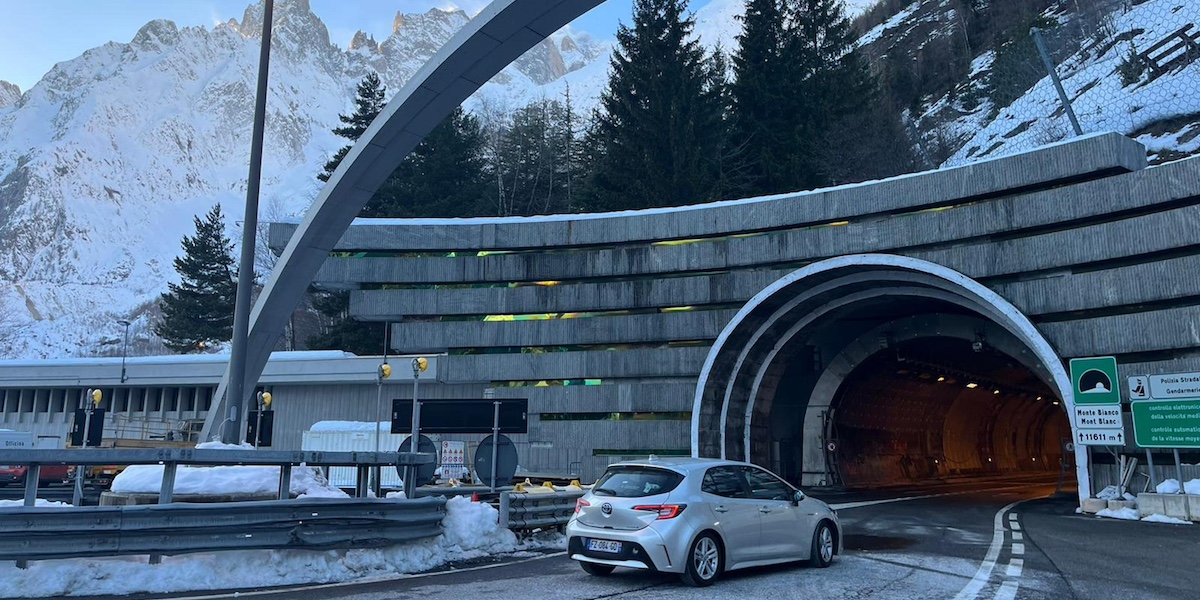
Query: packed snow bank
[[147, 479], [40, 502], [1165, 519], [1127, 514], [307, 482], [471, 531], [1171, 486]]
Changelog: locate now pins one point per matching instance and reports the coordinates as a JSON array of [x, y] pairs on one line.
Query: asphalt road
[[983, 540], [930, 547]]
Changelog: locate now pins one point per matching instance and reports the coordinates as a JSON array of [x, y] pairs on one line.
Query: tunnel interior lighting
[[1039, 398], [1056, 402], [941, 378], [972, 385], [996, 392]]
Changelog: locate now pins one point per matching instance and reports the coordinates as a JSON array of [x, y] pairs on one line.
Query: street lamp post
[[124, 348], [94, 396]]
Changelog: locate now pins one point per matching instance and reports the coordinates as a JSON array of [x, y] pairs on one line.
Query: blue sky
[[36, 34]]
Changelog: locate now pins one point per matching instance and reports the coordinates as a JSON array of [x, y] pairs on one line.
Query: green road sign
[[1167, 423], [1094, 380]]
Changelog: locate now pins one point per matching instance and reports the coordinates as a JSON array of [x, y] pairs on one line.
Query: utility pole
[[241, 311]]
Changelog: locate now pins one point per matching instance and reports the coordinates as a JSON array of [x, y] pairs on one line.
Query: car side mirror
[[797, 498]]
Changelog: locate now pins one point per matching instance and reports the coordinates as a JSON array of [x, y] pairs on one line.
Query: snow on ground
[[1165, 519], [471, 530], [307, 482], [1128, 514], [40, 503], [1171, 486]]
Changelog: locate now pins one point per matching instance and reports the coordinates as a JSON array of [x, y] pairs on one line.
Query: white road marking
[[849, 505], [364, 580], [1018, 549], [973, 587], [1007, 591], [1015, 526], [1018, 536], [1014, 567]]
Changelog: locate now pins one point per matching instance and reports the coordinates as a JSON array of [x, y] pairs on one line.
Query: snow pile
[[1171, 486], [38, 503], [1127, 514], [307, 482], [471, 531], [1108, 493], [147, 479], [1165, 519]]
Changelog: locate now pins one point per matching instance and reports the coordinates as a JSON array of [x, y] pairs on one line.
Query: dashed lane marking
[[973, 587], [1018, 549], [1018, 536], [1008, 591], [1014, 567]]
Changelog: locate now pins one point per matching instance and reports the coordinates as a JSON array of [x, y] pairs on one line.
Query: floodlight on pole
[[124, 348]]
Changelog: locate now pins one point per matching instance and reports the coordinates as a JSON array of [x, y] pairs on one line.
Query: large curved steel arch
[[496, 37], [726, 359]]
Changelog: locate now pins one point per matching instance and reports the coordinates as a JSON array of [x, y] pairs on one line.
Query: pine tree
[[198, 311], [443, 177], [369, 102], [340, 331], [762, 99], [658, 128]]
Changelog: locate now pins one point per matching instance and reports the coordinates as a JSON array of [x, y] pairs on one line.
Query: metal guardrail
[[170, 458], [538, 510], [317, 524]]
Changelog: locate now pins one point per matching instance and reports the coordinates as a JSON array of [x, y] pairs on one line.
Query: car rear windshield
[[635, 482]]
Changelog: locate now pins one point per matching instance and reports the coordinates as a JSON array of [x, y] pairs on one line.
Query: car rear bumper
[[641, 549]]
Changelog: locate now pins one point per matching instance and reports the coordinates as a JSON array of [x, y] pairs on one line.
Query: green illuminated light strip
[[618, 416]]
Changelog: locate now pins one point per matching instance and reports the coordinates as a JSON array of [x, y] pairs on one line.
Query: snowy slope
[[105, 161], [1161, 113]]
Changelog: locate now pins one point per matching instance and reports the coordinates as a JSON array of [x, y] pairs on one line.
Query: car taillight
[[665, 511], [580, 503]]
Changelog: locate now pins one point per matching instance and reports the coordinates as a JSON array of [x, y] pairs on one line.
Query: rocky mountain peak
[[362, 41], [156, 33], [9, 94]]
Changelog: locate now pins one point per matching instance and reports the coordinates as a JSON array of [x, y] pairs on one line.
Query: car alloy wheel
[[822, 546], [704, 561]]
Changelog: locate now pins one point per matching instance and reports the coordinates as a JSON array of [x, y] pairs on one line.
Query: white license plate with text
[[604, 546]]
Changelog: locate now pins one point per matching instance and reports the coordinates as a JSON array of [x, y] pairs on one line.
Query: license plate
[[604, 546]]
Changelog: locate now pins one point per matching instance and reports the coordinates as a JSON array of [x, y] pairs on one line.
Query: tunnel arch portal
[[815, 354]]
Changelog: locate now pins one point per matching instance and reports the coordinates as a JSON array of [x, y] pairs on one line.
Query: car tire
[[705, 560], [824, 546], [596, 569]]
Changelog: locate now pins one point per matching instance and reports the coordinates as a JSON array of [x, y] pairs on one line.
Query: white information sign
[[1139, 388], [1100, 437], [1098, 416], [1174, 386], [454, 460]]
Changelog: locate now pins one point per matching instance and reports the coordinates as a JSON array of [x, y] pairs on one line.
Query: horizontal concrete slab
[[665, 362], [1170, 329], [1103, 153], [952, 229], [631, 329]]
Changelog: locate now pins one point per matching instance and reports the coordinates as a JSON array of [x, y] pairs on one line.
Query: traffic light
[[385, 371], [97, 397], [420, 364], [266, 399]]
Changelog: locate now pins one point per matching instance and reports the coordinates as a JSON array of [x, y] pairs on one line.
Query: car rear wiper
[[604, 492]]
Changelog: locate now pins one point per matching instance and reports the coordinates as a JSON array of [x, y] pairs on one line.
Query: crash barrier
[[37, 533], [170, 458], [537, 509]]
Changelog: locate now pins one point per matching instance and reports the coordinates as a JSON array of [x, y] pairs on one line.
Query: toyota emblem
[[606, 508]]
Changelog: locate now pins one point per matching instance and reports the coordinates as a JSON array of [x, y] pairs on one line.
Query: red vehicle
[[49, 474]]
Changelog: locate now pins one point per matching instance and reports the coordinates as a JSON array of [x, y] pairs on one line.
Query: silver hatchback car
[[698, 517]]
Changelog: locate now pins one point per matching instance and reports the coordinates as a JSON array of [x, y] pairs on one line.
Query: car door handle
[[720, 509]]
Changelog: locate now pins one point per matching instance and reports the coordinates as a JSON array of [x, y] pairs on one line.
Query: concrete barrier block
[[1150, 504], [1092, 506], [1119, 504], [1193, 503], [1175, 505]]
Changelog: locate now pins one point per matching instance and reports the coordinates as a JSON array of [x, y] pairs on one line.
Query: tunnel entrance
[[937, 409], [873, 369]]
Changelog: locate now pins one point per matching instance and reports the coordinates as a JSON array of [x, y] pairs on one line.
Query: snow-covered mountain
[[106, 160]]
